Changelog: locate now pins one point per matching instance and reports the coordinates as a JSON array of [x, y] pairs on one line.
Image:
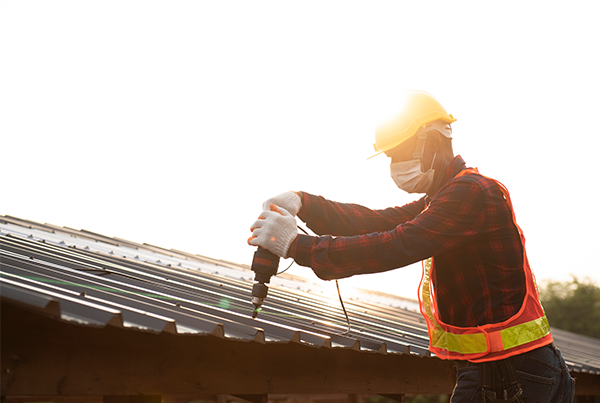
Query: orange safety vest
[[527, 330]]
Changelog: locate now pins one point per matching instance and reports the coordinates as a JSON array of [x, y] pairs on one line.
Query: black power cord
[[336, 285]]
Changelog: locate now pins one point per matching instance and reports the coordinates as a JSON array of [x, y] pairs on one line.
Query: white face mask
[[409, 177]]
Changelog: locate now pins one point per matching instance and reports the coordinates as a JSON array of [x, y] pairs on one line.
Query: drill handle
[[264, 265]]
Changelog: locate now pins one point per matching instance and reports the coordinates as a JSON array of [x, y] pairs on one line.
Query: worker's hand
[[274, 230], [288, 200]]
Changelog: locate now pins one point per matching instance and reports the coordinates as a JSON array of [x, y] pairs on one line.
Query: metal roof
[[96, 280]]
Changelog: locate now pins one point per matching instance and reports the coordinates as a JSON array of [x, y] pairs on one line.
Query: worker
[[477, 294]]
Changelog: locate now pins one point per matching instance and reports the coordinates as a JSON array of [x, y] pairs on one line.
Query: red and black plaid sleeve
[[467, 227], [429, 233], [326, 217]]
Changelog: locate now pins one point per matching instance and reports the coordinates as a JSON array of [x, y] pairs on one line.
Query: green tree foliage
[[573, 305]]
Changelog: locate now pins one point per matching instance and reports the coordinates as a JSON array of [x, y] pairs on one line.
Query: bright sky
[[170, 122]]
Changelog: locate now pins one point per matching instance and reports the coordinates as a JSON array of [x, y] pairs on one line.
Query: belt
[[464, 363]]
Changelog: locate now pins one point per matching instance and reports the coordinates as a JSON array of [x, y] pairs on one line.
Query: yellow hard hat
[[418, 109]]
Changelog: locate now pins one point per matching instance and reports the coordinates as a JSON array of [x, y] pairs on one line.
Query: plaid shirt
[[467, 227]]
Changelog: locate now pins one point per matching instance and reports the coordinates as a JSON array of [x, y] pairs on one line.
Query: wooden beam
[[253, 398], [53, 399], [398, 398], [586, 384], [43, 356], [132, 399], [354, 398]]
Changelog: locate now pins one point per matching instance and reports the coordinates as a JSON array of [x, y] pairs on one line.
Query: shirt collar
[[457, 165]]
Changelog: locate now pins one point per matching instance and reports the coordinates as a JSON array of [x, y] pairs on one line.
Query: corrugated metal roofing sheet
[[96, 280]]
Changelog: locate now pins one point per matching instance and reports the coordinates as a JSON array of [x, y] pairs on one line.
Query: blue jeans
[[542, 374]]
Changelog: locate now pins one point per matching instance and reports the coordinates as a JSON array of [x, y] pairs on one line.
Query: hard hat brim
[[420, 127], [416, 109]]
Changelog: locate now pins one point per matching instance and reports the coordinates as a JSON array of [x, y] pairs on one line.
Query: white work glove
[[274, 230], [288, 200]]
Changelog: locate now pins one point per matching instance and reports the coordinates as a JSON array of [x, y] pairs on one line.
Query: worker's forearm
[[331, 257], [341, 219], [439, 229]]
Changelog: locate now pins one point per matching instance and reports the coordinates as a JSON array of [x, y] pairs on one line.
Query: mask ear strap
[[433, 161], [420, 148]]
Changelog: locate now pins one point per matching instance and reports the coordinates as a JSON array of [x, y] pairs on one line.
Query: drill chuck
[[264, 266], [259, 293]]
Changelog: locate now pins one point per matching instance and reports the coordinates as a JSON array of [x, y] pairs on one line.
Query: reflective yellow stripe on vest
[[525, 332], [477, 343]]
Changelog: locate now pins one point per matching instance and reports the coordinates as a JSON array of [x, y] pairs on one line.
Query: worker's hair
[[444, 157], [446, 144]]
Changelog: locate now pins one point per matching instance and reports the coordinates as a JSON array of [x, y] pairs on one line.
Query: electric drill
[[264, 265]]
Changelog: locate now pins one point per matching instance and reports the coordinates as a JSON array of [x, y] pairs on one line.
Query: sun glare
[[387, 105], [347, 291]]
